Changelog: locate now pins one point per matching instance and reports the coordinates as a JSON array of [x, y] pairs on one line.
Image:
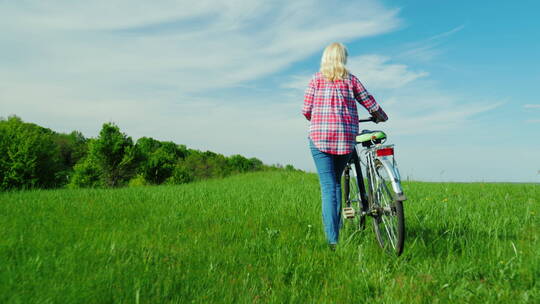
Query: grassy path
[[257, 238]]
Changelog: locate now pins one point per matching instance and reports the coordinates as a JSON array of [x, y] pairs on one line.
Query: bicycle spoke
[[388, 226], [390, 233], [386, 217]]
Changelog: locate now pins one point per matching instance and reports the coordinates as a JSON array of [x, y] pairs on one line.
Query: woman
[[330, 106]]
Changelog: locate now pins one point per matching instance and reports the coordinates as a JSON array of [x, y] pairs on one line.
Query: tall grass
[[257, 238]]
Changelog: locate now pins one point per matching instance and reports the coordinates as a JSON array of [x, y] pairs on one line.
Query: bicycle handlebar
[[367, 119]]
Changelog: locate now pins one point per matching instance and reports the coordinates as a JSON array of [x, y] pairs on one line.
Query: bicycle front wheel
[[388, 219]]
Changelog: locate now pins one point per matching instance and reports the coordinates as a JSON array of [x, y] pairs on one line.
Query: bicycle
[[383, 197]]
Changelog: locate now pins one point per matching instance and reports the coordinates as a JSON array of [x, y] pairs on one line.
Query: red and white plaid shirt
[[331, 109]]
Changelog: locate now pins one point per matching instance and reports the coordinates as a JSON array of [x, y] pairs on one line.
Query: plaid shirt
[[331, 109]]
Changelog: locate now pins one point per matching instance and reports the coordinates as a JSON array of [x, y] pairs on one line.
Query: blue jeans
[[330, 167]]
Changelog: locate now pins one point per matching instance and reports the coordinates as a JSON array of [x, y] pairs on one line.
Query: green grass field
[[257, 238]]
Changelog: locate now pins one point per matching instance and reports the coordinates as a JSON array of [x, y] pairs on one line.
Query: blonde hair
[[333, 62]]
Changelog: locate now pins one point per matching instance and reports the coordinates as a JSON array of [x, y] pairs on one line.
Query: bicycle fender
[[393, 173]]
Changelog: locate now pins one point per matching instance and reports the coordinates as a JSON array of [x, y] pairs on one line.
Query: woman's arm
[[309, 96], [367, 100]]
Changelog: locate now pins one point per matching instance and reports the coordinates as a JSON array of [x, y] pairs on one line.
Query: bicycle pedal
[[349, 212]]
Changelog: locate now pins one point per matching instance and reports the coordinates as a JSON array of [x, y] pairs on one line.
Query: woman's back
[[331, 108]]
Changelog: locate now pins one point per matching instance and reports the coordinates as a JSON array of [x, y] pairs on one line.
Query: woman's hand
[[379, 115]]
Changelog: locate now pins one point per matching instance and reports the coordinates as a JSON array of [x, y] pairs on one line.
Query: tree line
[[32, 156]]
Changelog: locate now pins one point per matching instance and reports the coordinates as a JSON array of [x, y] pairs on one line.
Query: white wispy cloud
[[426, 49], [297, 82], [378, 73], [177, 44], [410, 119], [447, 33]]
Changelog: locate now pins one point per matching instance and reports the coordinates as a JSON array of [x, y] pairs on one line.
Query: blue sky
[[459, 79]]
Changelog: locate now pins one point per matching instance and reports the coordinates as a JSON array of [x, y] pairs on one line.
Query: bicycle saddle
[[369, 135]]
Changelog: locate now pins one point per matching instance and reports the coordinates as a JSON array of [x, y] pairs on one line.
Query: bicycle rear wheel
[[387, 205], [353, 189]]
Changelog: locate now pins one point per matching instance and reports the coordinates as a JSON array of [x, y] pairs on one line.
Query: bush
[[137, 181], [86, 174], [158, 159], [114, 154], [73, 147], [181, 174], [112, 159], [29, 156]]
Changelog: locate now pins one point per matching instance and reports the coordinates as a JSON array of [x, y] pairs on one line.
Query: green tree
[[29, 156], [159, 165], [112, 156], [196, 164], [181, 174], [289, 168], [240, 164], [147, 145], [158, 159], [73, 147], [255, 164], [86, 173]]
